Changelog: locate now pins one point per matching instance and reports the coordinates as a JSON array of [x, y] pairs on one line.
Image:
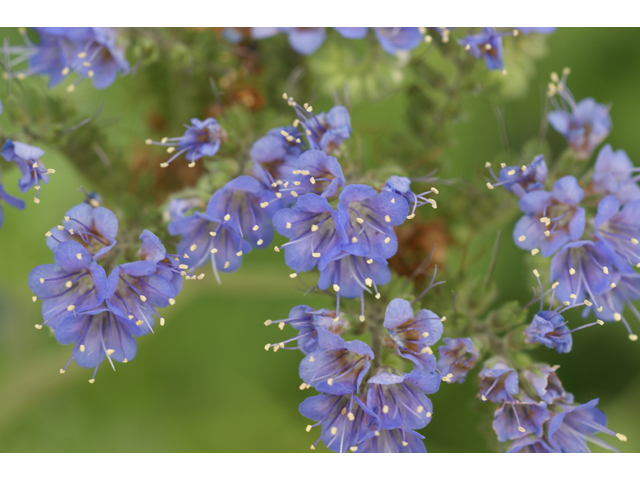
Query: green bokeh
[[204, 382]]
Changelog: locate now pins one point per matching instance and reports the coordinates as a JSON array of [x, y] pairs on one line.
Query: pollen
[[385, 409], [92, 381], [336, 287], [605, 270], [239, 254], [368, 282], [214, 250], [588, 303], [535, 272], [312, 180], [420, 409], [182, 266], [42, 280], [599, 322], [634, 241], [227, 217], [79, 256], [111, 351], [255, 228], [172, 301], [354, 448], [68, 284], [535, 251], [633, 338], [613, 285], [370, 261], [82, 348], [511, 172], [143, 298], [334, 430], [276, 248], [288, 225], [293, 275], [260, 242], [34, 299], [572, 271], [377, 296], [70, 308], [387, 240], [387, 218], [315, 255], [264, 204], [427, 350], [38, 326], [226, 265], [521, 429], [314, 228], [429, 414], [354, 240], [621, 437], [489, 186], [522, 238], [361, 318], [547, 233], [617, 317], [161, 321], [308, 428], [294, 194], [411, 217]]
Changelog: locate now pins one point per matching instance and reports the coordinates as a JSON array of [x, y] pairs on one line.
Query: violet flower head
[[337, 367], [548, 328], [201, 139], [274, 154], [546, 384], [552, 219], [499, 383], [619, 227], [27, 159], [397, 39], [397, 440], [402, 186], [345, 420], [307, 321], [529, 444], [9, 200], [313, 172], [584, 124], [486, 45], [303, 40], [412, 335], [520, 418], [400, 401], [615, 174], [521, 180], [456, 357], [352, 32]]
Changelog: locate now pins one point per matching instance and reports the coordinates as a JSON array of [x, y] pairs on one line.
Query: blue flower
[[395, 39], [9, 200], [549, 329], [352, 32], [538, 30], [402, 186], [167, 265], [397, 440], [201, 139], [345, 419], [624, 289], [519, 418], [499, 383], [584, 124], [487, 45], [412, 335], [337, 367], [72, 285], [325, 131], [274, 154], [313, 172], [27, 158], [179, 207], [304, 40], [613, 175], [521, 180], [95, 228], [456, 358], [571, 429], [529, 444], [369, 217], [552, 219], [620, 228], [546, 383], [315, 233], [308, 321], [400, 401]]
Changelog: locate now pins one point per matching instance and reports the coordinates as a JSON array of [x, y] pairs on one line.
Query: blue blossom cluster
[[89, 52], [595, 253], [486, 45], [536, 414], [100, 313], [298, 188], [33, 172], [362, 405]]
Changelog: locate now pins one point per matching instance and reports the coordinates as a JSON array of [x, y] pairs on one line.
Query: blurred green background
[[204, 382]]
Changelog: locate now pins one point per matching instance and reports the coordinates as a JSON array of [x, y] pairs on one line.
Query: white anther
[[227, 217], [293, 275], [82, 348], [336, 287], [489, 186], [535, 251], [226, 265], [572, 271], [511, 172], [633, 338], [522, 238], [288, 225], [621, 437], [70, 308], [385, 409], [617, 317], [172, 301], [315, 255], [599, 322], [361, 318], [143, 298], [38, 326], [314, 228], [387, 218], [387, 240], [535, 272]]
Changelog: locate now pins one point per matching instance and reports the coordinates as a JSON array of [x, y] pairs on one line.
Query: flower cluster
[[90, 52], [536, 414], [27, 159], [100, 313]]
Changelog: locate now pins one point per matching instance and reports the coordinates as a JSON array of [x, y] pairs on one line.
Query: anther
[[572, 271], [613, 285], [171, 149], [617, 317], [143, 298], [387, 240], [336, 287], [385, 409], [260, 242], [161, 321], [172, 301], [239, 254], [70, 308], [255, 227], [521, 429], [387, 218], [427, 350], [264, 204], [226, 265], [535, 251], [164, 165], [308, 428], [377, 296], [288, 225], [34, 299], [111, 351], [621, 437], [276, 248], [511, 172], [281, 325], [293, 275], [588, 303], [420, 409], [599, 322], [38, 326], [92, 380], [65, 71], [62, 371], [605, 270], [411, 217], [315, 255], [314, 228], [633, 338], [182, 266], [82, 348], [535, 272], [227, 217], [268, 322], [522, 238], [334, 430], [489, 186], [361, 318]]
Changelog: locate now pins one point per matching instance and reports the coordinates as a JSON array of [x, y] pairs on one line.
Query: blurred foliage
[[204, 382]]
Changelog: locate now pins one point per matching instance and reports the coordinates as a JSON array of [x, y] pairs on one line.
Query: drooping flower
[[352, 32], [614, 174], [552, 219], [72, 285], [545, 383], [412, 335], [397, 440], [167, 265], [201, 139], [304, 40], [456, 358], [400, 401], [313, 172], [519, 418], [95, 228], [9, 200], [315, 233], [396, 39], [584, 124], [499, 383], [486, 45], [402, 186], [307, 321], [571, 429], [337, 367], [369, 217], [619, 227], [345, 420], [27, 159], [548, 328], [521, 180]]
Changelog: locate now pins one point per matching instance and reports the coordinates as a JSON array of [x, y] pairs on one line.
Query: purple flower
[[27, 158], [179, 207], [456, 358], [72, 285], [613, 175], [369, 218], [314, 230], [400, 401], [521, 180], [520, 418], [619, 227], [530, 444], [584, 124], [167, 265], [274, 154], [412, 335], [499, 383], [95, 228], [402, 186], [201, 139], [345, 419], [304, 40], [394, 39], [487, 45], [9, 200], [546, 383], [308, 321], [538, 30], [313, 172], [337, 367], [352, 32], [552, 219], [571, 429], [397, 440], [325, 131], [548, 328]]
